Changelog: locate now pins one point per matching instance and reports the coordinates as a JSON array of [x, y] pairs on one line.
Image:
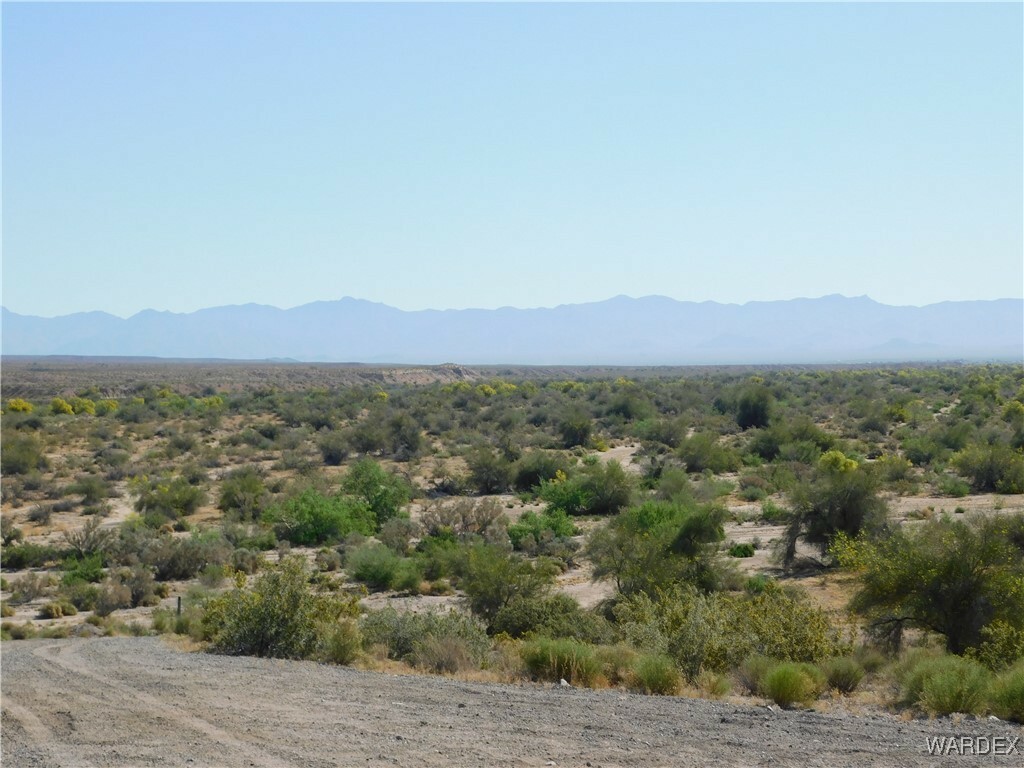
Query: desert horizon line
[[645, 297]]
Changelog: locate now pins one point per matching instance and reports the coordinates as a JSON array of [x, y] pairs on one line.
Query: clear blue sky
[[178, 156]]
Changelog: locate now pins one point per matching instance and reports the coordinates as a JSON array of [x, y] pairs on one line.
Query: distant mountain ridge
[[653, 330]]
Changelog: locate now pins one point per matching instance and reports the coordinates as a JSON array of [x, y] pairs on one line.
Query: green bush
[[493, 578], [312, 519], [557, 615], [943, 683], [340, 642], [532, 529], [843, 674], [535, 467], [489, 472], [280, 616], [752, 670], [656, 673], [1008, 694], [792, 683], [243, 494], [955, 684], [423, 636], [161, 499], [21, 454], [28, 555], [745, 549], [374, 565], [384, 492], [561, 659], [996, 468]]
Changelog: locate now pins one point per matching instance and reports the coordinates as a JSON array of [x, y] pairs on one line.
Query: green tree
[[842, 498], [385, 492], [753, 409], [951, 576]]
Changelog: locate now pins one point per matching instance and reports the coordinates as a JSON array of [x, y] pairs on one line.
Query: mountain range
[[653, 330]]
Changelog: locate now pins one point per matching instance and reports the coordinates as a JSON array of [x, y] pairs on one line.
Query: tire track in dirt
[[66, 657]]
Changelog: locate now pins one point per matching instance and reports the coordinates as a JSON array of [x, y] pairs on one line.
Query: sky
[[181, 156]]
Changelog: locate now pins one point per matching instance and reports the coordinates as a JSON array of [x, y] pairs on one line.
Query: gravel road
[[140, 702]]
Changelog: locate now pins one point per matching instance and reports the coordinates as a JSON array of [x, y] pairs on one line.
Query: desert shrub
[[311, 519], [656, 673], [93, 488], [246, 560], [397, 533], [754, 406], [702, 451], [561, 659], [334, 447], [792, 683], [328, 559], [41, 514], [575, 428], [534, 467], [917, 666], [243, 493], [843, 674], [385, 492], [746, 549], [21, 454], [374, 565], [90, 539], [493, 578], [1007, 694], [212, 576], [1002, 645], [279, 616], [948, 485], [6, 610], [467, 519], [658, 544], [946, 684], [713, 685], [446, 654], [18, 405], [532, 529], [57, 609], [30, 587], [752, 670], [616, 662], [173, 558], [996, 467], [489, 472], [565, 495], [82, 595], [843, 498], [165, 499], [951, 576], [718, 631], [340, 642], [405, 635], [557, 615], [14, 631], [85, 570], [113, 595]]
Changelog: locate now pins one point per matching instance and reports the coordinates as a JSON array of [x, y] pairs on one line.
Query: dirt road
[[140, 702]]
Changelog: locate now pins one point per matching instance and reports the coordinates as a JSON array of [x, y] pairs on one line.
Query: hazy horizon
[[478, 308], [183, 156]]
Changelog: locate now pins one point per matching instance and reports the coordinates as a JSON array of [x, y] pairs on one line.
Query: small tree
[[951, 576], [842, 498], [753, 409], [385, 492]]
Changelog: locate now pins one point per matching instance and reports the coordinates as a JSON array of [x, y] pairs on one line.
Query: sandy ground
[[140, 702]]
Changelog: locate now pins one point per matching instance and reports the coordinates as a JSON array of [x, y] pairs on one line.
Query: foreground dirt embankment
[[140, 702]]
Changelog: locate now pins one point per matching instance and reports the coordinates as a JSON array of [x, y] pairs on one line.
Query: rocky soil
[[142, 702]]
